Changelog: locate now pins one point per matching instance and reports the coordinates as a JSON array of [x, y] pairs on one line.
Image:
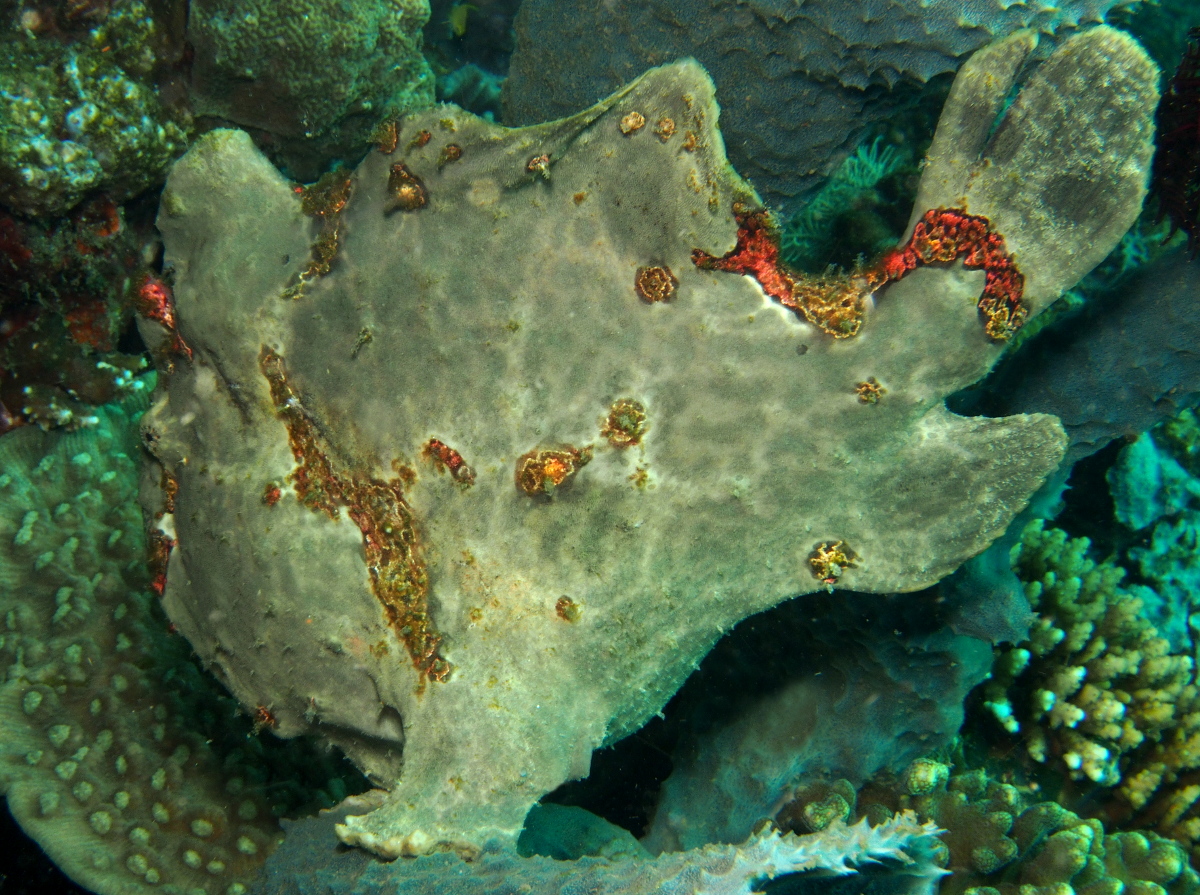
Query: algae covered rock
[[316, 76], [470, 488], [84, 114]]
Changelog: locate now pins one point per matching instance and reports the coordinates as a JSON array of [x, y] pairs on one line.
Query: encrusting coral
[[470, 643], [999, 839], [83, 114], [118, 755], [317, 77]]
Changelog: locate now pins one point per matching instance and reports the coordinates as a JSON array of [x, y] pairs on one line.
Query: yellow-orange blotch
[[541, 472], [655, 284], [406, 189], [625, 424]]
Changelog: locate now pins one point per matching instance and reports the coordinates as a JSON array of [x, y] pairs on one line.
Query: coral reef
[[1106, 683], [82, 112], [317, 77], [898, 853], [1097, 693], [1156, 494], [798, 85], [328, 575], [65, 308], [999, 839], [119, 757], [857, 684]]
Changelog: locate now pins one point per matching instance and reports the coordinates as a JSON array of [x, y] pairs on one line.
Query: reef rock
[[472, 494], [799, 81]]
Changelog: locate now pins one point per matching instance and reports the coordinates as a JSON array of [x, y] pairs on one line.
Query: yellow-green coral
[[83, 115], [1097, 693], [1094, 682], [1000, 840], [117, 755]]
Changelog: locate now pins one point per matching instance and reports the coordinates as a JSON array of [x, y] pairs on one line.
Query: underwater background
[[1027, 721]]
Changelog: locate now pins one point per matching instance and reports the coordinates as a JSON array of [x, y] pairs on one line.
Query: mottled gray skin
[[503, 317]]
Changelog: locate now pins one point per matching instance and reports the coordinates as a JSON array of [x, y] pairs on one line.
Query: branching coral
[[1000, 840], [1096, 691]]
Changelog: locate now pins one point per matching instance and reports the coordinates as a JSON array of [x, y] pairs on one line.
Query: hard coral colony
[[461, 469]]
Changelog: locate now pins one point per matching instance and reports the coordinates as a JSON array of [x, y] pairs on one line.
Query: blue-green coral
[[83, 115], [119, 756], [1097, 694]]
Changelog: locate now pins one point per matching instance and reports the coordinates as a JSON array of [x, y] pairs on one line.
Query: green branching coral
[[83, 114], [119, 755], [1095, 683], [1097, 693], [1000, 840]]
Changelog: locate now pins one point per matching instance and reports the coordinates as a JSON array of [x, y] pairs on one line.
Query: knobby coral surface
[[82, 111], [317, 77], [1097, 692], [470, 642], [999, 839], [118, 757]]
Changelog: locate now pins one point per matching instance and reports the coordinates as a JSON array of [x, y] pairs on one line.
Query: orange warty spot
[[634, 121], [870, 391], [567, 609], [655, 284], [828, 560], [406, 189], [625, 424], [541, 472]]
